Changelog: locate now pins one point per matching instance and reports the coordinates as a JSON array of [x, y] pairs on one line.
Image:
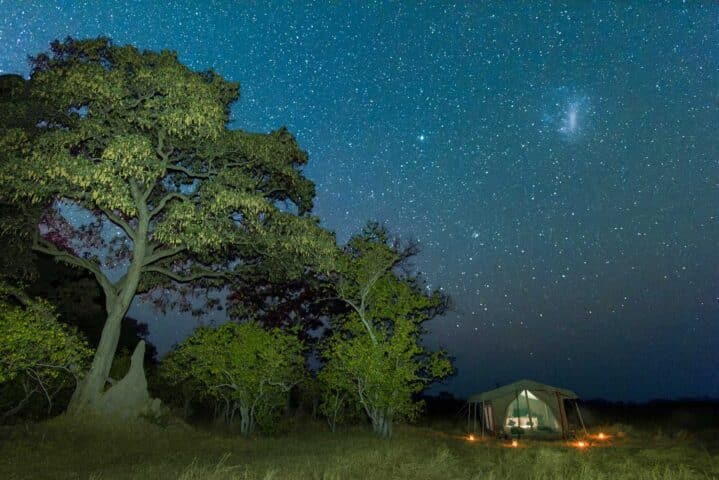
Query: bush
[[40, 358]]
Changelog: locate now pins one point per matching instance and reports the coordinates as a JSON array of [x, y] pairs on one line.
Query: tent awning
[[520, 385]]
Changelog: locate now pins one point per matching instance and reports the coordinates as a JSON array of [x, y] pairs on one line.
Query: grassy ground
[[60, 450]]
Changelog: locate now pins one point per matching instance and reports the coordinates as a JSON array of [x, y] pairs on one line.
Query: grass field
[[60, 450]]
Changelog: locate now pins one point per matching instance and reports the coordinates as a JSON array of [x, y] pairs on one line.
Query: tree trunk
[[220, 418], [337, 405], [246, 421], [382, 422], [89, 390], [186, 407]]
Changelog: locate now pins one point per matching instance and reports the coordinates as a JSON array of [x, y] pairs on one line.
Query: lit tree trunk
[[246, 421], [89, 391], [382, 422], [337, 402], [90, 388]]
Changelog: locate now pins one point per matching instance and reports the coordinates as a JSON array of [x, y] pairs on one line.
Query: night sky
[[558, 163]]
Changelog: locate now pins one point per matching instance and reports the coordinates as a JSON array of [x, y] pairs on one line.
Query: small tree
[[375, 353], [337, 400], [39, 356], [247, 368], [142, 142]]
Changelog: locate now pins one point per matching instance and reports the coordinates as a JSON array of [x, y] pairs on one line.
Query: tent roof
[[520, 386]]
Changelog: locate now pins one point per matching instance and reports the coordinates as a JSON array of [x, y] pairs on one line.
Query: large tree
[[141, 142], [375, 357], [73, 292]]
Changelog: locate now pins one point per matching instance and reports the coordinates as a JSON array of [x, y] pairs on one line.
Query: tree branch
[[37, 378], [360, 312], [185, 278], [148, 192], [161, 205], [59, 367], [22, 403], [189, 173], [161, 144], [120, 223], [43, 246], [162, 254]]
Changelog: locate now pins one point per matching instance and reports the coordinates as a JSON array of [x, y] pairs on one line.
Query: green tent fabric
[[525, 406]]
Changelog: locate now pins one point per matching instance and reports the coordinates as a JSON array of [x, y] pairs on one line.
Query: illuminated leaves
[[142, 138], [34, 343], [375, 353], [129, 157], [241, 363], [139, 139]]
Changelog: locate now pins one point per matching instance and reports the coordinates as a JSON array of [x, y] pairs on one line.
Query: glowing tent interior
[[524, 407]]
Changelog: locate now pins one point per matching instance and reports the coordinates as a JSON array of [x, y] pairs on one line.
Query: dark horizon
[[558, 164]]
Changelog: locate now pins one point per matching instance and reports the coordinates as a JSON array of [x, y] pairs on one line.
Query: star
[[586, 151]]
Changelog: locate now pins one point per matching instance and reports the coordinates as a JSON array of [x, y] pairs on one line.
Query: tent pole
[[581, 420], [484, 416], [529, 410], [562, 414], [469, 417], [519, 421], [474, 427]]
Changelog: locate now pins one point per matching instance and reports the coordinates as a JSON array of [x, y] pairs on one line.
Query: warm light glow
[[470, 438], [581, 444], [602, 436], [515, 443]]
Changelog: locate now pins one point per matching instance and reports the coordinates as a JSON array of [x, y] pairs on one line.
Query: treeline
[[176, 206]]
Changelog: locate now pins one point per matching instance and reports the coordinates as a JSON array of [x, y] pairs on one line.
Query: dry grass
[[62, 450]]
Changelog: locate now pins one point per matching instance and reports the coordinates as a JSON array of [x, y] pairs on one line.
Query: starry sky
[[557, 161]]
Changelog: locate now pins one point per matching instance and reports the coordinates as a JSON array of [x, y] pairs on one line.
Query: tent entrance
[[528, 414]]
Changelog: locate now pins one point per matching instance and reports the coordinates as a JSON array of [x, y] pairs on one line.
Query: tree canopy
[[141, 141], [244, 366]]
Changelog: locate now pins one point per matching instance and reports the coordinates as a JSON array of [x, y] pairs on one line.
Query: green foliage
[[36, 351], [151, 141], [375, 355], [142, 141], [242, 366], [19, 115]]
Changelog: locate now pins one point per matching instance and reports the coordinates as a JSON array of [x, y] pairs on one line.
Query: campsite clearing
[[56, 450]]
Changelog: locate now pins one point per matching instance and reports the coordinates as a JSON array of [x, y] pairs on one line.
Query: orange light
[[581, 444], [470, 438], [515, 443], [602, 436]]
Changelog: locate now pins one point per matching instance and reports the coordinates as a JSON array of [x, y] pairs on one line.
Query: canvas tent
[[523, 408]]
